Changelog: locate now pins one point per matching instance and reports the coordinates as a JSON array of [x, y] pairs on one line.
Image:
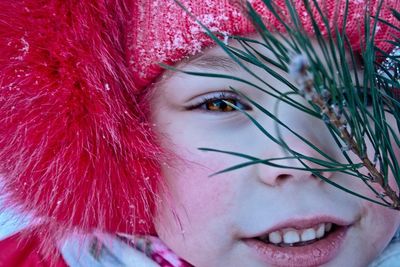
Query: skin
[[204, 219]]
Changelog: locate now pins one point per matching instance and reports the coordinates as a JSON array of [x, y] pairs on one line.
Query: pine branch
[[348, 118], [300, 72]]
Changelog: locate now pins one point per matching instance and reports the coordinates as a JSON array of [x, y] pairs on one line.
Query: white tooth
[[321, 230], [275, 237], [328, 227], [308, 234], [291, 236]]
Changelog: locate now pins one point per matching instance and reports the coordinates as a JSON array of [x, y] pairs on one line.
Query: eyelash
[[230, 97], [233, 98]]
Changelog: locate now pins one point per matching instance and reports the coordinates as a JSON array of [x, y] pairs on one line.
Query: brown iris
[[220, 105]]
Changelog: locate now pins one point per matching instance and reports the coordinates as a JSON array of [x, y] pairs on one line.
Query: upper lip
[[306, 223]]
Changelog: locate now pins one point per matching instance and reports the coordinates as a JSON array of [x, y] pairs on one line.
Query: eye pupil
[[220, 105]]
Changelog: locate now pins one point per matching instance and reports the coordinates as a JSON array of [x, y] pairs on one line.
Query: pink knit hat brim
[[167, 33]]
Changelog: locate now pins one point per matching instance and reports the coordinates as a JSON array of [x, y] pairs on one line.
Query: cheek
[[197, 214], [358, 186], [369, 236], [191, 195], [194, 190], [380, 224]]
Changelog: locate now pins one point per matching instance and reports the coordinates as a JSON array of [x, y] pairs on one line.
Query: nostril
[[317, 174], [273, 176], [283, 177], [299, 175]]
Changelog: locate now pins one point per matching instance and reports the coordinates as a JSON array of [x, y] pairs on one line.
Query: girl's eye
[[221, 105], [218, 103]]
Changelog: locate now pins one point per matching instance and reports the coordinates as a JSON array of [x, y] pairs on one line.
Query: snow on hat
[[166, 33], [76, 149]]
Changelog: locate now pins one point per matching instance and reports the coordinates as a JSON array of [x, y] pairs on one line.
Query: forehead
[[215, 59]]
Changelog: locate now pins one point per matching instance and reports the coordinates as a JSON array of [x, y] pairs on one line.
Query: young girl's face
[[254, 216]]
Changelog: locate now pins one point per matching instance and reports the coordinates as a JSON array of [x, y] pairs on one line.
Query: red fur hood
[[75, 148]]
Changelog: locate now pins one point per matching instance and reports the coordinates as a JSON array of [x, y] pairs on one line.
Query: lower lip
[[315, 254]]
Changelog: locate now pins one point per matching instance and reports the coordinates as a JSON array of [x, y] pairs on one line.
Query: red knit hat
[[76, 150], [166, 33]]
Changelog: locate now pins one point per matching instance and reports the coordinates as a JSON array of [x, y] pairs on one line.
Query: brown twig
[[299, 70]]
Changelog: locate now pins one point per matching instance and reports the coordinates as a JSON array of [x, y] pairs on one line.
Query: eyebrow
[[217, 62], [203, 61]]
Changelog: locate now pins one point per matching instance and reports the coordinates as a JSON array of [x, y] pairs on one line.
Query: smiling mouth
[[291, 237], [300, 243]]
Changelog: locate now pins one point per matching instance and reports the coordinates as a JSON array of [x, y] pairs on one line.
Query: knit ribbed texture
[[164, 32]]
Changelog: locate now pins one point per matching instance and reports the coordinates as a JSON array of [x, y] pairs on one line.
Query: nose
[[287, 168], [306, 136]]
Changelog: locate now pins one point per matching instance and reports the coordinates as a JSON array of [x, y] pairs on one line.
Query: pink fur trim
[[75, 148]]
